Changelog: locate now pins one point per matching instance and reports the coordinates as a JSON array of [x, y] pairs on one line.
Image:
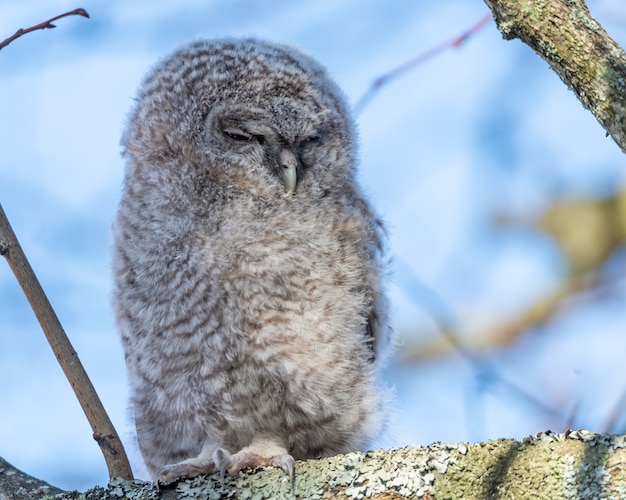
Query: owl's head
[[245, 114]]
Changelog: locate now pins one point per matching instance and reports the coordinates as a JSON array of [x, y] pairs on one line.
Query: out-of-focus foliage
[[587, 230]]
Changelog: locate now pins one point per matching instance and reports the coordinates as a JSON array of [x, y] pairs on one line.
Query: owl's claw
[[222, 459], [171, 472], [190, 468], [286, 463], [248, 458]]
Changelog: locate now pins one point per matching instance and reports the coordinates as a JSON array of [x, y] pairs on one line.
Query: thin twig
[[103, 431], [42, 26], [384, 79]]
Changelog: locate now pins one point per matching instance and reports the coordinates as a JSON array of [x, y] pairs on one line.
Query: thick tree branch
[[577, 464], [104, 432], [15, 484], [589, 62]]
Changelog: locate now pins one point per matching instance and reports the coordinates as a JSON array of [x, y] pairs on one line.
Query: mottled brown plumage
[[247, 264]]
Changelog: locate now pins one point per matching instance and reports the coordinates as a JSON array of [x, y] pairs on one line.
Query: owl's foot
[[261, 453], [186, 469]]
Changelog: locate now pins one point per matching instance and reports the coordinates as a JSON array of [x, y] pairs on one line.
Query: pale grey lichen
[[579, 464]]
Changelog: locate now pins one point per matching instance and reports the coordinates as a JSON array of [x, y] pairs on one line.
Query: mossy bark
[[579, 464], [15, 484], [565, 34]]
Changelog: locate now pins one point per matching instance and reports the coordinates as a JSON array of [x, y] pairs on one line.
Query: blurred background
[[504, 200]]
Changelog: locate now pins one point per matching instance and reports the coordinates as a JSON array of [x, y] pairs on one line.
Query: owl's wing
[[370, 337], [378, 334]]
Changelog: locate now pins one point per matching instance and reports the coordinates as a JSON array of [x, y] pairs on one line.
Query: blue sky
[[485, 129]]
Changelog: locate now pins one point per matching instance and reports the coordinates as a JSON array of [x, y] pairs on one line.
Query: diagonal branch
[[41, 26], [103, 431], [589, 62]]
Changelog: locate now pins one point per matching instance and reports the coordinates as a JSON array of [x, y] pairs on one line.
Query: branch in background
[[590, 234], [535, 316], [103, 431], [573, 43], [41, 26], [475, 349], [383, 80], [451, 339]]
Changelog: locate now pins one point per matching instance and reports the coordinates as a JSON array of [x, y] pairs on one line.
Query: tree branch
[[576, 464], [589, 62], [16, 484], [41, 26], [103, 431], [391, 75]]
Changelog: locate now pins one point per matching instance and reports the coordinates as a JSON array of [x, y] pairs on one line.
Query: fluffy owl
[[247, 265]]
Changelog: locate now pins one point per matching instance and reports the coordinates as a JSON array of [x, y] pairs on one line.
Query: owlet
[[247, 264]]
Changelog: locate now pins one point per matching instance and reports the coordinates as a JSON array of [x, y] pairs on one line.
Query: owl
[[247, 265]]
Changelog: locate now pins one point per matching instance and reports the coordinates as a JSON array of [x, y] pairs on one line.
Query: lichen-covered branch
[[577, 464], [564, 33], [15, 484]]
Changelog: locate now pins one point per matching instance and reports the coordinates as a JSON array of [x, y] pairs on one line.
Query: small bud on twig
[[41, 26]]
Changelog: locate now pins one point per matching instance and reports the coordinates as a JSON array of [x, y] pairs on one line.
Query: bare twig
[[383, 80], [103, 431], [41, 26]]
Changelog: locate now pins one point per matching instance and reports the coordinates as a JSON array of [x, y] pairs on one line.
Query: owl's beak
[[288, 173]]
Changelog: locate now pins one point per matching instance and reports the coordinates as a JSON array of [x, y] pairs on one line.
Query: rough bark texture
[[579, 464], [16, 484], [564, 33]]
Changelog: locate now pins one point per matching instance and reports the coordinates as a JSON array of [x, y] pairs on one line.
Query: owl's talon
[[187, 469], [253, 457], [223, 472], [222, 460], [166, 475], [286, 463]]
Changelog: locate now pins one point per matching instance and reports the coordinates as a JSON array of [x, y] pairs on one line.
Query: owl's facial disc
[[248, 133], [288, 174]]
